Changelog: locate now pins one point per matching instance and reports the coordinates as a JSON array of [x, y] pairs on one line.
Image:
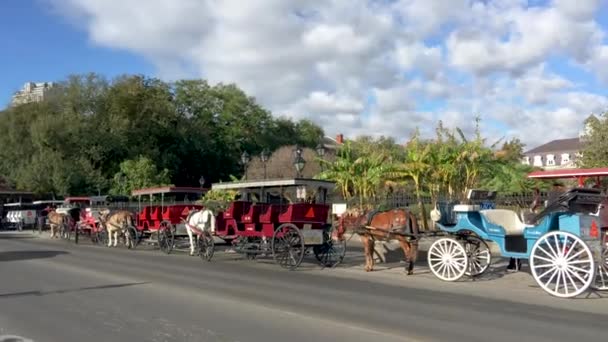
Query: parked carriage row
[[565, 243]]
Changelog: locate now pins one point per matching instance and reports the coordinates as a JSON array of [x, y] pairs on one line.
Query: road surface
[[54, 291]]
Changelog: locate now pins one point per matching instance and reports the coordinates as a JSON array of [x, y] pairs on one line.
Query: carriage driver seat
[[508, 219]]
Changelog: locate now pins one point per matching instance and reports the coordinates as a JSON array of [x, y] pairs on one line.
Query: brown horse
[[56, 222], [395, 224], [115, 223]]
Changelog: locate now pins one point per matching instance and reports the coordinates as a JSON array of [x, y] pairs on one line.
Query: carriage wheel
[[288, 246], [206, 246], [166, 238], [447, 259], [601, 279], [479, 255], [132, 237], [562, 264], [332, 251]]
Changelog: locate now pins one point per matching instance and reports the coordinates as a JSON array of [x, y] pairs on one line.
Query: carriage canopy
[[580, 174], [281, 190]]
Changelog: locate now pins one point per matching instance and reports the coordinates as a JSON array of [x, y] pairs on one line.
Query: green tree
[[414, 167], [595, 143], [137, 174]]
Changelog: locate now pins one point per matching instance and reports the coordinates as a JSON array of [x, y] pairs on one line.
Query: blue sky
[[525, 68], [40, 46]]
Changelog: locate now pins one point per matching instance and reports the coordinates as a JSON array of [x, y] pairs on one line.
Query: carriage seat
[[508, 219]]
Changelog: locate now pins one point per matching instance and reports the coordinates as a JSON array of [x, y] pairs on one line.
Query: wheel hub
[[560, 263], [447, 259]]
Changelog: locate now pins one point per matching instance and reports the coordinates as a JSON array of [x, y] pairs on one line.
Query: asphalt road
[[53, 291]]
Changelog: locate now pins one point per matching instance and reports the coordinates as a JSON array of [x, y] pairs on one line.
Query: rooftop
[[572, 144]]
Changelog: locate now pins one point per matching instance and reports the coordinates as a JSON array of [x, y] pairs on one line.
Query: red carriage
[[161, 221], [285, 218], [89, 216]]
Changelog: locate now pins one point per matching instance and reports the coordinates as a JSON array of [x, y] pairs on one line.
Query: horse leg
[[368, 249], [190, 238], [115, 238], [410, 252], [109, 238]]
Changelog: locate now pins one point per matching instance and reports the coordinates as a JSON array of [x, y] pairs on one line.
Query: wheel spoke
[[550, 254], [567, 272], [555, 255], [579, 269], [570, 249], [576, 254], [543, 259], [563, 250], [578, 276], [550, 270]]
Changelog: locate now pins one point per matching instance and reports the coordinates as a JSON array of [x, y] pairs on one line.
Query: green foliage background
[[96, 135]]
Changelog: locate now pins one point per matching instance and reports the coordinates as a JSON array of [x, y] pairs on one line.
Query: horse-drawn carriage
[[564, 243], [161, 222], [284, 218], [90, 216]]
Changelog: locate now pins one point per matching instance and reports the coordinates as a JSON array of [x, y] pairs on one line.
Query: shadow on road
[[26, 255], [78, 289], [9, 236]]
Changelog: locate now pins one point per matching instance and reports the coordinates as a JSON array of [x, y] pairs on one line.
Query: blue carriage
[[564, 244]]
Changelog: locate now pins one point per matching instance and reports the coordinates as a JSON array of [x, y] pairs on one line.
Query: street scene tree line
[[92, 135]]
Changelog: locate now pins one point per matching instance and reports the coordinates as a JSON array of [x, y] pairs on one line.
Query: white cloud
[[421, 60], [537, 85]]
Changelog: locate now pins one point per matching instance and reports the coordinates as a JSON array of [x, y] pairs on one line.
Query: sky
[[530, 69]]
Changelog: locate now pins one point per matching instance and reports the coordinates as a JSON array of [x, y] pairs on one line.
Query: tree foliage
[[75, 141], [595, 143], [444, 167]]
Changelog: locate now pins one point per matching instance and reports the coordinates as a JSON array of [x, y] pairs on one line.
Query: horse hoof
[[368, 269], [410, 272]]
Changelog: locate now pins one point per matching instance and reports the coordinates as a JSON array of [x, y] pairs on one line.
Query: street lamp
[[299, 164], [201, 181], [321, 153], [245, 158], [321, 150], [264, 157]]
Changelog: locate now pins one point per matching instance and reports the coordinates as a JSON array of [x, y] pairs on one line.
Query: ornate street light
[[245, 161], [201, 181], [299, 164], [321, 153], [264, 157]]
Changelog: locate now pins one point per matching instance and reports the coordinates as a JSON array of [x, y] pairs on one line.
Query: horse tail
[[413, 225]]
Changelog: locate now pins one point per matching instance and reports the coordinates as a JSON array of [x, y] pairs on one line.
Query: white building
[[558, 154], [31, 92]]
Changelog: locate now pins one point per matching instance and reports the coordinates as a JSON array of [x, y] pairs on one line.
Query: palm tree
[[341, 170], [414, 167]]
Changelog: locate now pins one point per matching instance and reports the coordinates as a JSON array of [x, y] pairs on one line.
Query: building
[[31, 92], [558, 154]]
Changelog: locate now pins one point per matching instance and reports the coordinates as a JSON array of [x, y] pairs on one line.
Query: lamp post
[[321, 153], [264, 158], [201, 181], [245, 158], [299, 163]]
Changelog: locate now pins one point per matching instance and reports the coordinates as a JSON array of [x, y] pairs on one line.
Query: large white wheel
[[562, 264], [479, 255], [447, 259]]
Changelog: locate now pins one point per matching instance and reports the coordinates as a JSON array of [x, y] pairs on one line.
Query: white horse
[[198, 222]]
